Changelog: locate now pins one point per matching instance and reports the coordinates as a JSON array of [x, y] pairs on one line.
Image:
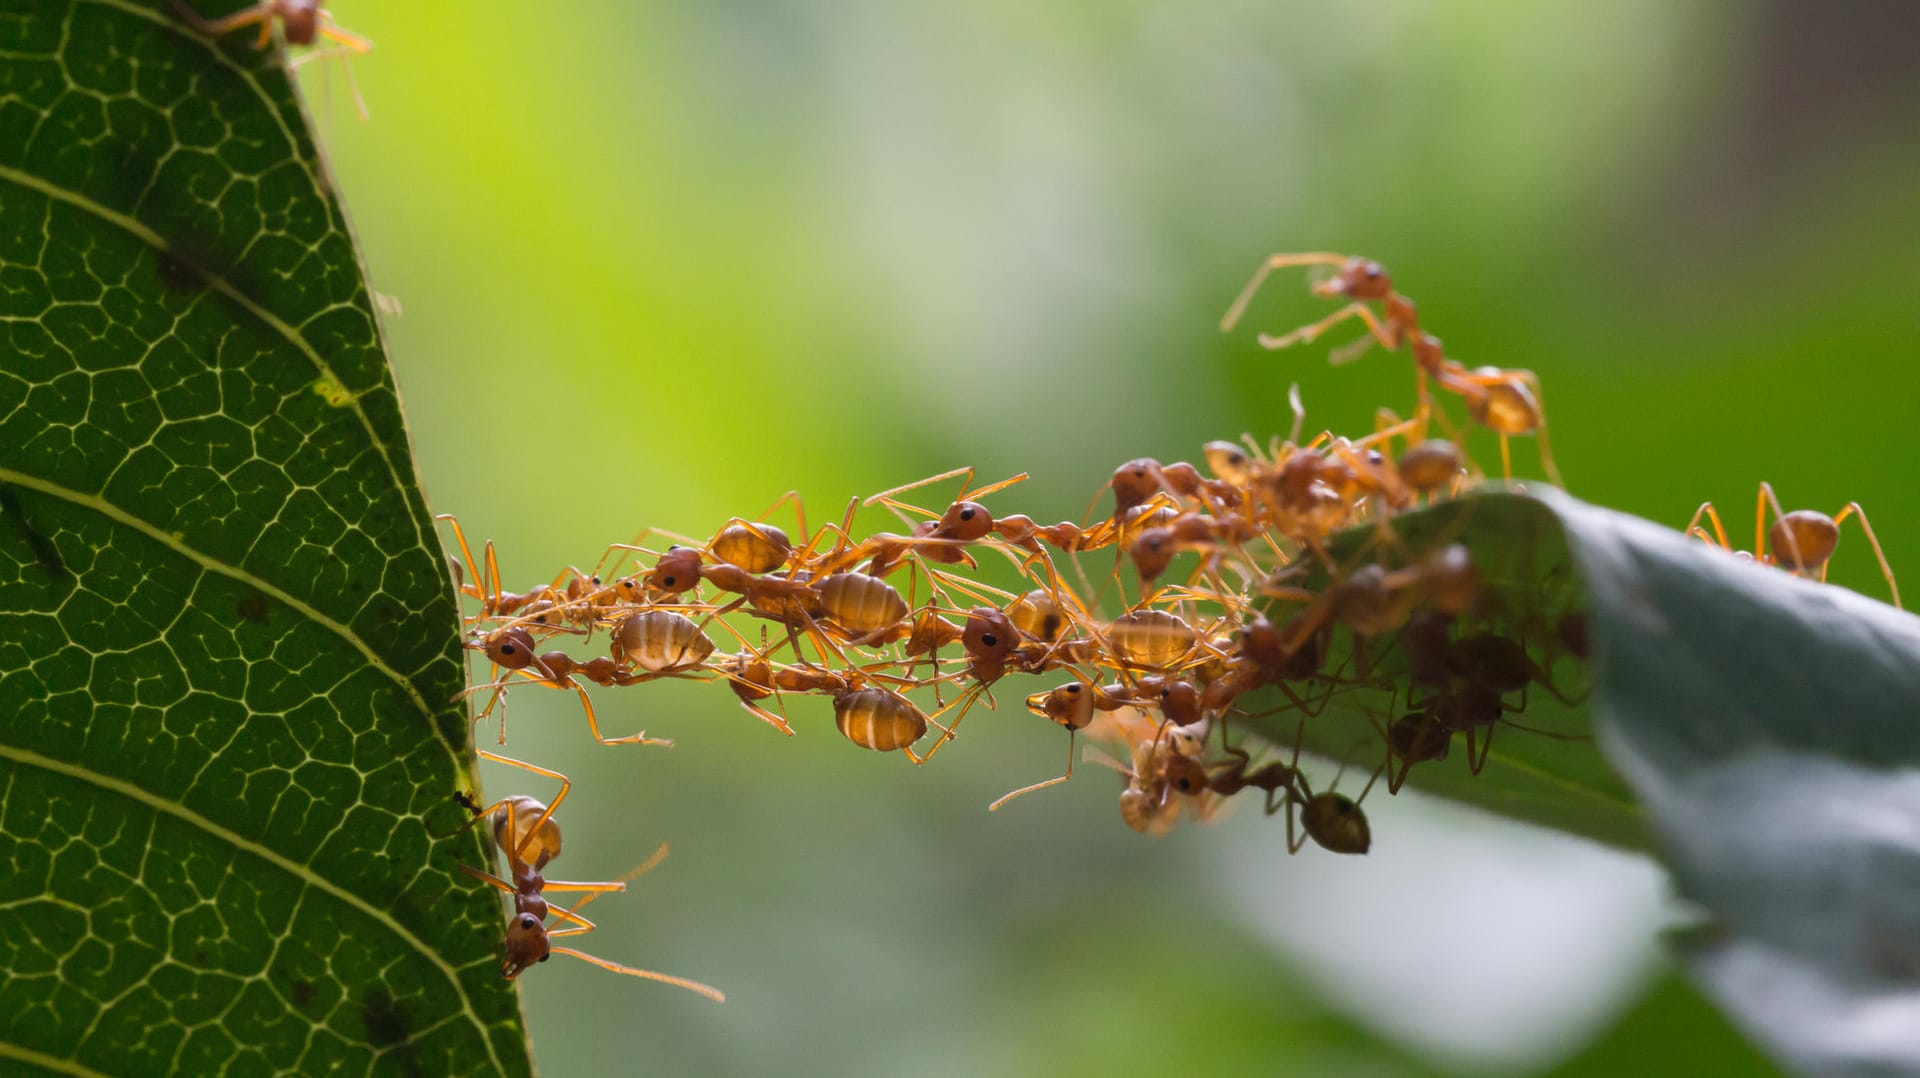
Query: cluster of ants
[[1238, 590], [1160, 682]]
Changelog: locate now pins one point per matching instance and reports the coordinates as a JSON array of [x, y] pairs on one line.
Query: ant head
[[965, 521], [511, 648], [1069, 705], [677, 570], [1180, 702], [989, 634], [1360, 278], [1227, 461], [1152, 551], [1185, 775], [1298, 476], [526, 943], [1261, 642], [1134, 482]]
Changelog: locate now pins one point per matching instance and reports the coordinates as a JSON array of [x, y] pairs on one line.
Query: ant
[[945, 535], [528, 939], [1071, 706], [1473, 676], [302, 22], [1504, 401], [1800, 542], [514, 649], [1147, 804]]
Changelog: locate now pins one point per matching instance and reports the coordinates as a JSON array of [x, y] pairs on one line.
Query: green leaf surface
[[1772, 728], [1767, 730], [227, 635]]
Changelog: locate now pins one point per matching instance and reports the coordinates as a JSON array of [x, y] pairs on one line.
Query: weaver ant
[[1504, 401], [528, 939], [1801, 542]]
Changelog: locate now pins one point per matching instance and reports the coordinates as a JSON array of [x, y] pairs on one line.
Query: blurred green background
[[662, 262]]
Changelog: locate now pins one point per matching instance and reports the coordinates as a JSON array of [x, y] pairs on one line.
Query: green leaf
[[1769, 730], [1521, 553], [227, 634]]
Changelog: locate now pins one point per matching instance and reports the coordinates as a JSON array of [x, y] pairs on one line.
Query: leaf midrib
[[206, 561]]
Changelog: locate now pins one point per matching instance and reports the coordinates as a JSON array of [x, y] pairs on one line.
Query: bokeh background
[[660, 263]]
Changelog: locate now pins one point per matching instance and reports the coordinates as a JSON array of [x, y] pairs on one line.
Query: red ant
[[528, 939], [1801, 542], [1506, 402]]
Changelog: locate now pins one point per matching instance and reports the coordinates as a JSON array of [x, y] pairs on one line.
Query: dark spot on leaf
[[44, 552], [303, 993], [386, 1025], [253, 608], [179, 272]]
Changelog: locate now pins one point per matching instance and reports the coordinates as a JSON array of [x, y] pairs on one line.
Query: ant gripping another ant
[[1504, 401]]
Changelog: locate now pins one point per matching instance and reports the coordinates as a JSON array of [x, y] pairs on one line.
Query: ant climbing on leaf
[[1801, 542], [302, 23], [528, 835]]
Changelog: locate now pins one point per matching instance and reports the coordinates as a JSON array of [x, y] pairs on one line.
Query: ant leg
[[791, 497], [1306, 334], [1041, 785], [965, 701], [1477, 759], [1387, 426], [1232, 317], [1762, 502], [990, 488], [473, 590], [593, 724], [261, 14], [493, 576], [1713, 517], [889, 495], [708, 991], [1532, 383], [1853, 509]]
